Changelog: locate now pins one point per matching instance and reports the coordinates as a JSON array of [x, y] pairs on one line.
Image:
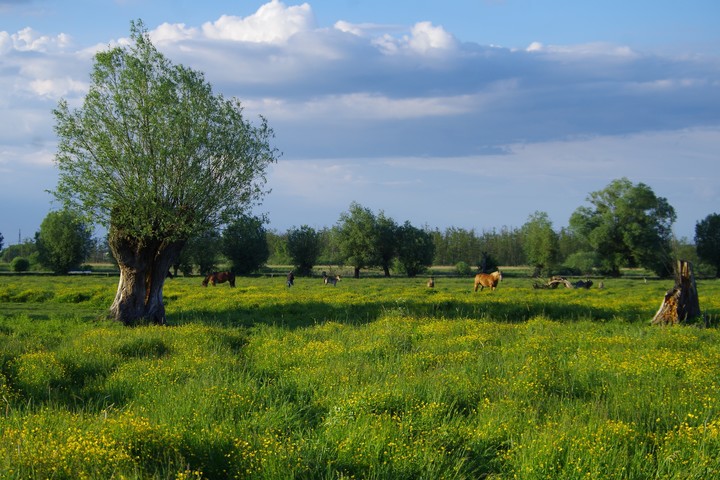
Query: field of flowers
[[373, 378]]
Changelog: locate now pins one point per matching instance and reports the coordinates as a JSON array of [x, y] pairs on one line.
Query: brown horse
[[490, 280], [219, 277]]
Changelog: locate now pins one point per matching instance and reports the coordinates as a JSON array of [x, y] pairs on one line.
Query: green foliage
[[63, 241], [26, 249], [462, 268], [20, 264], [244, 244], [581, 262], [457, 244], [540, 243], [202, 250], [303, 247], [357, 237], [387, 242], [628, 226], [707, 240], [153, 151], [415, 249]]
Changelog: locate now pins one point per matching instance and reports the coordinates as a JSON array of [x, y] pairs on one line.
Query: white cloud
[[28, 40], [274, 22], [58, 87], [425, 37], [172, 33], [584, 50]]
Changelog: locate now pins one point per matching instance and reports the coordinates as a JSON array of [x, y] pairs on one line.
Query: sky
[[472, 114]]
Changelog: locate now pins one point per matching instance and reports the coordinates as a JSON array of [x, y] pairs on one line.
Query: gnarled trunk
[[144, 264], [681, 304]]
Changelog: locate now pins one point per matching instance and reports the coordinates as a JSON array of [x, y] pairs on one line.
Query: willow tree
[[156, 157]]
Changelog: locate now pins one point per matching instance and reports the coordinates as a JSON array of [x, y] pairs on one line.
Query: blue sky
[[472, 114]]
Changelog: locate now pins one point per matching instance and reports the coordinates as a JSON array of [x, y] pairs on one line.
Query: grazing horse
[[490, 280], [219, 277], [331, 280]]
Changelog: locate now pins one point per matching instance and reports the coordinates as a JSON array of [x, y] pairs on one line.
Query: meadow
[[374, 378]]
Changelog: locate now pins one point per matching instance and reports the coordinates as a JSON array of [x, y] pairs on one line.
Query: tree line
[[616, 231]]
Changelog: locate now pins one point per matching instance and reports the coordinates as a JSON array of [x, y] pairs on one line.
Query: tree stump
[[681, 304]]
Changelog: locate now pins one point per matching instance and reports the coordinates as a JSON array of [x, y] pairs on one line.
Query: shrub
[[20, 264], [582, 262], [462, 268]]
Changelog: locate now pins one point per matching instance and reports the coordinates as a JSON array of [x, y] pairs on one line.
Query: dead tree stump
[[681, 304]]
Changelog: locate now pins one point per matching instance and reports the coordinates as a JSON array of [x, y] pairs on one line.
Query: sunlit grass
[[374, 378]]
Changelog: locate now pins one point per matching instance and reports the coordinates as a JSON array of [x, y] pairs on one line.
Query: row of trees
[[627, 226]]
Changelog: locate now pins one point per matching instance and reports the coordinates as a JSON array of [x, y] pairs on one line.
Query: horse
[[490, 280], [331, 280], [219, 277]]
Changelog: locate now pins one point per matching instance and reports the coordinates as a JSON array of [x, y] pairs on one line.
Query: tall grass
[[374, 378]]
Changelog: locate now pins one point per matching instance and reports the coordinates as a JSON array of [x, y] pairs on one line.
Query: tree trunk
[[143, 269], [356, 273], [681, 304]]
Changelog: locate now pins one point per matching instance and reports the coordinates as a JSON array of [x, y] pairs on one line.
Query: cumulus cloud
[[28, 40], [274, 22]]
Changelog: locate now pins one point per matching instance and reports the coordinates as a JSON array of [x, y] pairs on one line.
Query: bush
[[582, 262], [462, 268], [20, 264]]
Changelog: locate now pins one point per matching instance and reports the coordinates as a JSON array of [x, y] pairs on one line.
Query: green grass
[[374, 378]]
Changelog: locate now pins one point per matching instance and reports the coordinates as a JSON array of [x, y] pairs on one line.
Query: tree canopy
[[357, 237], [540, 243], [245, 244], [707, 241], [63, 241], [154, 155], [303, 246], [627, 225]]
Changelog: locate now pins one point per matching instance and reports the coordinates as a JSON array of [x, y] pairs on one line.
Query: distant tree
[[244, 243], [627, 225], [416, 249], [26, 249], [277, 243], [540, 243], [456, 245], [330, 246], [20, 264], [156, 157], [569, 243], [504, 246], [63, 241], [2, 239], [303, 246], [357, 238], [202, 250], [707, 241], [386, 238]]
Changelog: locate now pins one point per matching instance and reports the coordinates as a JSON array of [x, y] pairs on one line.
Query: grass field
[[375, 378]]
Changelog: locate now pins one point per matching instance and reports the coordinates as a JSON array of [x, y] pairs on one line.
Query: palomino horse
[[490, 280], [219, 277]]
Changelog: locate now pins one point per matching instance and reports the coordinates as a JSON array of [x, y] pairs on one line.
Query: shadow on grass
[[300, 315]]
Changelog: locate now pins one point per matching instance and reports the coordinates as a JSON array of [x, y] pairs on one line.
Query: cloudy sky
[[465, 113]]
